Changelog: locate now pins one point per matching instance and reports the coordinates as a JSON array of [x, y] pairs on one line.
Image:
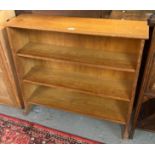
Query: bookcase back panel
[[86, 41], [28, 90], [18, 38], [111, 44]]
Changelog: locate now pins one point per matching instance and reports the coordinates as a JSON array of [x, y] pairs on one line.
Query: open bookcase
[[84, 65]]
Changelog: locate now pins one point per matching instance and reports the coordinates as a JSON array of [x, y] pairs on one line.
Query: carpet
[[17, 131]]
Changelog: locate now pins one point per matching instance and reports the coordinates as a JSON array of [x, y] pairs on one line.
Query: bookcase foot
[[125, 133], [27, 109]]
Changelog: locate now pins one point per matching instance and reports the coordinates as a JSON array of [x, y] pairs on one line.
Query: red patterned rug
[[17, 131]]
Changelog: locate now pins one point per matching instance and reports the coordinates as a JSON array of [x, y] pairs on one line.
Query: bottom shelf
[[98, 107]]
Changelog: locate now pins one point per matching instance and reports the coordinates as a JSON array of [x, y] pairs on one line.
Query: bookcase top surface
[[77, 25]]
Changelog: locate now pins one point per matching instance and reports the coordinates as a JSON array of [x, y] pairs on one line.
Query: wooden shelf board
[[106, 86], [81, 103], [90, 26], [93, 58]]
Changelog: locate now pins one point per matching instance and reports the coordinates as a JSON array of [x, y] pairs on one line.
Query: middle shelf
[[109, 85]]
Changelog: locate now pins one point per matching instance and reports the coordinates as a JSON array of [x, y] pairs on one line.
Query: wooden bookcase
[[84, 65]]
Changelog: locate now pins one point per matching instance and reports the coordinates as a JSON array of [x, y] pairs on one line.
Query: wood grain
[[102, 59], [79, 81], [103, 27], [92, 69], [80, 103]]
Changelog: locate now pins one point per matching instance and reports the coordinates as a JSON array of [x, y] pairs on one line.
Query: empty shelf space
[[81, 103], [107, 86], [95, 58]]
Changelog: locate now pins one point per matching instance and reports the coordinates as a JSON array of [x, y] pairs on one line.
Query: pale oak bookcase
[[84, 65]]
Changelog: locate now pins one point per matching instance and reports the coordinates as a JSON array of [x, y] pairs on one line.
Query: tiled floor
[[79, 125]]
